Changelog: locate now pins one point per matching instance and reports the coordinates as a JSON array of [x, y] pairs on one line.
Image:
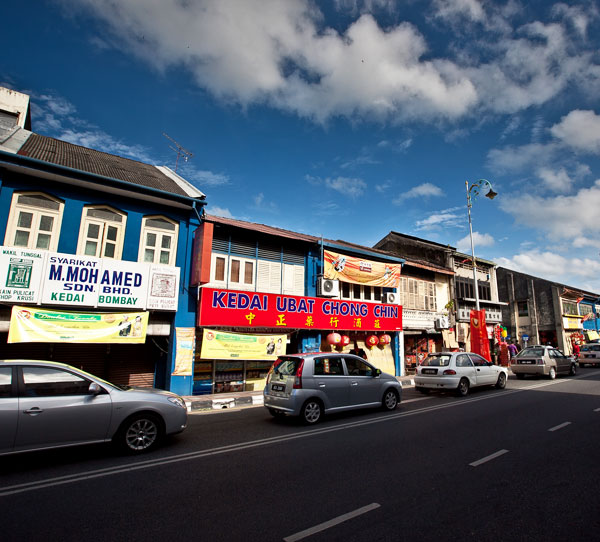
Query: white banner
[[21, 272]]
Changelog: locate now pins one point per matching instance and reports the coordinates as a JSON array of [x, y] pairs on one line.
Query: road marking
[[488, 458], [557, 427], [331, 523]]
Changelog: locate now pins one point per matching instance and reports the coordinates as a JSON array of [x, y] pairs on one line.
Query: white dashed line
[[488, 458], [557, 427], [331, 523]]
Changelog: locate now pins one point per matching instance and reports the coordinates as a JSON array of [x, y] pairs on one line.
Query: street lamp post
[[476, 188]]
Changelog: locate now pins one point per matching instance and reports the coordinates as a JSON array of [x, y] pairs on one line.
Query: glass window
[[234, 271], [345, 290], [569, 307], [34, 221], [5, 381], [478, 361], [437, 360], [219, 268], [522, 308], [531, 352], [48, 382], [462, 360], [357, 367], [248, 273], [328, 367], [102, 232], [158, 240], [367, 293], [356, 291]]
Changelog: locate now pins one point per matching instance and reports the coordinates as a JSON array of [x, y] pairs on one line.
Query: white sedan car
[[458, 371]]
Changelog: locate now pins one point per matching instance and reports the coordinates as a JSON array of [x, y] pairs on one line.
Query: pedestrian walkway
[[220, 401]]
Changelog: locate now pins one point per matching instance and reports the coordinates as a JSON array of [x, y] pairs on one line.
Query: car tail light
[[449, 372], [298, 380], [541, 361], [272, 370]]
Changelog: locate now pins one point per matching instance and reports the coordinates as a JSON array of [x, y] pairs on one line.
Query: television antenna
[[180, 150]]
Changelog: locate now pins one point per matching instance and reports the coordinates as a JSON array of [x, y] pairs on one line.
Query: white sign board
[[21, 272]]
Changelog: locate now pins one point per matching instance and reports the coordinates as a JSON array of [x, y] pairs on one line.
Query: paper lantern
[[504, 333], [372, 341], [334, 338], [345, 340], [385, 339]]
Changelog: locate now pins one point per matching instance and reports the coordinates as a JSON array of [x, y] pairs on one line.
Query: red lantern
[[372, 341], [385, 339], [345, 340], [334, 338]]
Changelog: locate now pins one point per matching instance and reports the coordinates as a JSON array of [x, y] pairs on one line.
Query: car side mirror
[[94, 389], [376, 373]]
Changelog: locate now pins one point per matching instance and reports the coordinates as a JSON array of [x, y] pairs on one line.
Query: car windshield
[[442, 360], [591, 347], [531, 352], [286, 366]]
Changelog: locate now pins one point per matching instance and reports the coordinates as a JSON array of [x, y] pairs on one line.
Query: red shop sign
[[255, 309]]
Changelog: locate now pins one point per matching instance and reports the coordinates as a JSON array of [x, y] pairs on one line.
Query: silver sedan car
[[458, 371], [310, 385], [45, 405]]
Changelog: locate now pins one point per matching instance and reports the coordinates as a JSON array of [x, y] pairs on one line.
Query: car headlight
[[177, 401]]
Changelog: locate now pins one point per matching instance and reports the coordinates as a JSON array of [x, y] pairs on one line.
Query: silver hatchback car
[[542, 360], [310, 385], [45, 405]]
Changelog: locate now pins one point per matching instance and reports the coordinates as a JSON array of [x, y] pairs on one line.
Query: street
[[513, 464]]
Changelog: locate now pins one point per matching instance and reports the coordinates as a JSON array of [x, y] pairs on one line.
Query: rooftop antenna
[[179, 150]]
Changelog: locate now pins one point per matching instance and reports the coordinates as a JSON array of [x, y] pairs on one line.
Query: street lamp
[[476, 188]]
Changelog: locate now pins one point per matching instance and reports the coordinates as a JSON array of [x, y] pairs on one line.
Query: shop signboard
[[21, 272], [222, 345], [52, 278], [256, 309], [479, 335], [30, 324], [361, 271], [572, 323]]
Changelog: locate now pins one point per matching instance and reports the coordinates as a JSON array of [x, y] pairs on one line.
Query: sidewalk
[[220, 401]]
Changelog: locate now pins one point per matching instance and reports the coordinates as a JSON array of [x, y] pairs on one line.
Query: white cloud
[[453, 9], [441, 219], [513, 158], [348, 186], [479, 240], [561, 217], [425, 190], [557, 181], [579, 130], [261, 204], [219, 211], [201, 177]]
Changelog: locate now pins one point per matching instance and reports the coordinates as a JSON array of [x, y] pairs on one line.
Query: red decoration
[[334, 338], [372, 341], [345, 340], [385, 339]]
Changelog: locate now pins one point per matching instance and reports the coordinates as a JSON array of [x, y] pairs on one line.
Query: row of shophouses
[[95, 244]]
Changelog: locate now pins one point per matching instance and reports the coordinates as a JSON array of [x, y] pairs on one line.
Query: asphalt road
[[513, 464]]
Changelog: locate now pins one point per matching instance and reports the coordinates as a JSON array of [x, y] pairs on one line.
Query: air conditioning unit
[[442, 322], [328, 287], [391, 298]]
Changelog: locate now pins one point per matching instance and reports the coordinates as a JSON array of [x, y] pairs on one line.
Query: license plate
[[526, 362], [429, 371], [278, 387]]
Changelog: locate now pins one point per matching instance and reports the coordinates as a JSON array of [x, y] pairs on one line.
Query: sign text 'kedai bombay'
[[250, 309]]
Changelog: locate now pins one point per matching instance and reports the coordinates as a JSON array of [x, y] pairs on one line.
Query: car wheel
[[422, 390], [276, 413], [552, 373], [311, 411], [520, 376], [501, 384], [573, 370], [140, 433], [390, 400], [463, 387]]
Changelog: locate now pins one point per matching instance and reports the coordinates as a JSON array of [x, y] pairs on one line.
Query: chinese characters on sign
[[248, 309]]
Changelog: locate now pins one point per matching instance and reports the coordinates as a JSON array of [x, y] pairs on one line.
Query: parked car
[[45, 405], [542, 360], [589, 354], [458, 371], [310, 385]]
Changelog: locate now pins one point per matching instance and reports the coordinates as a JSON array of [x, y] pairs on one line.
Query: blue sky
[[345, 118]]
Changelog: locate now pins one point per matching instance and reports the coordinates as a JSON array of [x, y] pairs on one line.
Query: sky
[[343, 118]]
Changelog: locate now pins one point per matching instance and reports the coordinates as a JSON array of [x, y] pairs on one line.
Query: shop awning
[[591, 335]]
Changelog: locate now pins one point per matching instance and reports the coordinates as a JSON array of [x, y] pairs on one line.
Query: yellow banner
[[184, 354], [359, 271], [221, 345], [29, 325]]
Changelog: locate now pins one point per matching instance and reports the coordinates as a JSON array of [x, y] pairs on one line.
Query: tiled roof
[[55, 151], [269, 230]]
